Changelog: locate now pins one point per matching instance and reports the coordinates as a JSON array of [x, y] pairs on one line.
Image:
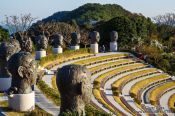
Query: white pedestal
[[113, 46], [40, 54], [74, 47], [5, 83], [22, 102], [57, 50], [94, 48]]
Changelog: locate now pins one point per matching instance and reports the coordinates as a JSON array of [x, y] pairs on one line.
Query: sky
[[44, 8]]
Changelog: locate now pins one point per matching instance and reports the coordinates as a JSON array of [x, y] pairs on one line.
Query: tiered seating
[[105, 66], [106, 58], [136, 90], [157, 92], [118, 85], [99, 81], [98, 96], [171, 103], [103, 78]]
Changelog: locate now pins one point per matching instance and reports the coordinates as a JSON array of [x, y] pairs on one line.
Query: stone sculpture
[[23, 68], [26, 44], [114, 36], [41, 42], [7, 49], [57, 40], [41, 45], [74, 85], [75, 39], [113, 43], [94, 37]]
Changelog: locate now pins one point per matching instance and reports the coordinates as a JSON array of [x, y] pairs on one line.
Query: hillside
[[89, 12]]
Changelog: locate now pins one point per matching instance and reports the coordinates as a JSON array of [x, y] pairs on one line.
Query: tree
[[19, 24], [4, 34], [166, 19]]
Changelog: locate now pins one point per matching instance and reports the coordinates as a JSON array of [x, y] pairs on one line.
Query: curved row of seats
[[157, 92], [171, 103], [118, 84], [136, 90]]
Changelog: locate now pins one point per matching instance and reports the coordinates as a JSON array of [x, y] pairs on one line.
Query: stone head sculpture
[[75, 39], [94, 37], [74, 85], [26, 44], [57, 40], [114, 36], [23, 68], [41, 42], [7, 49]]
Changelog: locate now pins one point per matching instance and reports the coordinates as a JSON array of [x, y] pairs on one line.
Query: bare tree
[[166, 19], [19, 23]]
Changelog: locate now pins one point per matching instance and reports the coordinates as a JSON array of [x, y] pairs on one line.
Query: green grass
[[49, 92]]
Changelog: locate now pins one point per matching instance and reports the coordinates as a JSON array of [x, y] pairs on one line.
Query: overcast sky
[[45, 8]]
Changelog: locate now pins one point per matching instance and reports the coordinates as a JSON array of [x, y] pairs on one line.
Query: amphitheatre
[[123, 66]]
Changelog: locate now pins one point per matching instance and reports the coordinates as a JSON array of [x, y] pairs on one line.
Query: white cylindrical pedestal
[[40, 54], [22, 102], [94, 48], [74, 47], [113, 46], [5, 83], [57, 50]]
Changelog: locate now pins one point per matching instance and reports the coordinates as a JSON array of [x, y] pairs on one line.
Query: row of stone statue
[[18, 74], [57, 43]]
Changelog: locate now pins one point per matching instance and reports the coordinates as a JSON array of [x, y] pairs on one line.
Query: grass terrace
[[171, 102], [122, 81], [96, 93], [145, 83], [111, 64], [101, 59], [126, 68], [66, 56], [159, 90]]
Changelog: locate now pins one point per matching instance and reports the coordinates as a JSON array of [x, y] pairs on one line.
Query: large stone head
[[41, 42], [75, 39], [23, 68], [7, 49], [26, 44], [57, 40], [74, 85], [94, 37], [114, 36]]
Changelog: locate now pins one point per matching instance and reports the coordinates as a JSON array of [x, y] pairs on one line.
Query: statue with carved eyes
[[7, 49], [57, 40], [75, 39], [74, 85], [41, 42], [23, 68], [114, 36], [94, 37]]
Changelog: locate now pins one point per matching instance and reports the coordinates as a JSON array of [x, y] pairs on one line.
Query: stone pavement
[[45, 104]]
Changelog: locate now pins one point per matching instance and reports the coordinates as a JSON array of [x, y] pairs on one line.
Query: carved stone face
[[6, 51], [94, 37], [73, 82], [57, 40], [26, 44], [41, 42], [23, 68], [114, 36], [75, 39]]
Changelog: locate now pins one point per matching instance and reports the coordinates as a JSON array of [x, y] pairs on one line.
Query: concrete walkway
[[164, 102], [45, 104]]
